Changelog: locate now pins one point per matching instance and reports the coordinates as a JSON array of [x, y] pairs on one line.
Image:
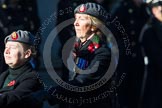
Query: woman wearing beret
[[19, 80], [91, 55]]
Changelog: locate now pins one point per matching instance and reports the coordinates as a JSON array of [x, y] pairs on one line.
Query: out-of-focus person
[[151, 47]]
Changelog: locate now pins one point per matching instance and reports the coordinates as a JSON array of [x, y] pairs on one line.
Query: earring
[[92, 29]]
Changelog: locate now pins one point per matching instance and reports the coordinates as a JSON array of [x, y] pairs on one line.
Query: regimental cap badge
[[14, 36], [82, 8]]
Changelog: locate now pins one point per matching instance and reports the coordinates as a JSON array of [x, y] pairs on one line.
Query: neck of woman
[[87, 38]]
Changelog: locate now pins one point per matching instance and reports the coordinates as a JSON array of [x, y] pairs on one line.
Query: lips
[[77, 30], [7, 57]]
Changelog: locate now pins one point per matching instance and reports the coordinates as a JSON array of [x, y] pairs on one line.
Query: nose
[[76, 22], [7, 51]]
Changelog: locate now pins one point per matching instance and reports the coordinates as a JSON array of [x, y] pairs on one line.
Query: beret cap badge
[[82, 8], [14, 36], [94, 10]]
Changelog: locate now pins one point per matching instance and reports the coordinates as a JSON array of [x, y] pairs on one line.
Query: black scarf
[[13, 73]]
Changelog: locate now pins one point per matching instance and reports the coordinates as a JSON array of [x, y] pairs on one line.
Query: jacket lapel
[[2, 78], [7, 88]]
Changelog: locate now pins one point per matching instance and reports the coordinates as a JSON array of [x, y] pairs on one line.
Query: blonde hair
[[96, 25]]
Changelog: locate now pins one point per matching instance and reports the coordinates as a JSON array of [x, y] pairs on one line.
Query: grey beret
[[21, 36], [92, 9]]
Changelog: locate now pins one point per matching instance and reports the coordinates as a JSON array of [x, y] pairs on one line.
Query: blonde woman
[[91, 52]]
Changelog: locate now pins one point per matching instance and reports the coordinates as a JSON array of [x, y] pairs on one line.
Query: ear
[[28, 53], [93, 28]]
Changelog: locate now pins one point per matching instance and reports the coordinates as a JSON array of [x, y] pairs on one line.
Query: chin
[[7, 62], [10, 65], [78, 36]]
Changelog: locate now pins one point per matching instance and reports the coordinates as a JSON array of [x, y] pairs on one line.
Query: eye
[[82, 18]]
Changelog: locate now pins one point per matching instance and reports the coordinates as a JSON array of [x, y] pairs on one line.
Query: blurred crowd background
[[141, 85]]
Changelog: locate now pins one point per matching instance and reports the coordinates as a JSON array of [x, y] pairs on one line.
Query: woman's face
[[14, 54], [82, 26]]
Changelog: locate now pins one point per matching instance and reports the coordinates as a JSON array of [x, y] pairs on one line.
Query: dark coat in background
[[152, 44], [132, 18]]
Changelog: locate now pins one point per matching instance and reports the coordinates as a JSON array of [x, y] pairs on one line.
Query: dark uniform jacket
[[16, 86], [92, 59], [132, 18], [92, 62], [152, 44]]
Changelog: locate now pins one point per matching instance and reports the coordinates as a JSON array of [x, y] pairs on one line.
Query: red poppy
[[11, 83], [91, 47]]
